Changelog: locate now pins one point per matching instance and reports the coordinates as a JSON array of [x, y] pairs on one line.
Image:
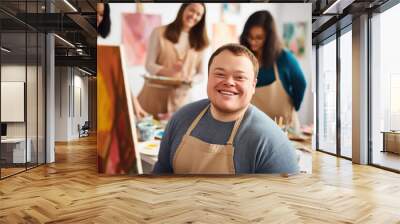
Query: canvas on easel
[[116, 133]]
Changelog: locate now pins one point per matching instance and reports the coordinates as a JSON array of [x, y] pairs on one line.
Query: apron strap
[[179, 56], [194, 123], [235, 129], [276, 72], [277, 78]]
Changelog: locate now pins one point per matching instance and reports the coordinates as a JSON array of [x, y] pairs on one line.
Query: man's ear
[[254, 85]]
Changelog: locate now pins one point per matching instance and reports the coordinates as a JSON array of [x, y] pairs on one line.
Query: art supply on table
[[159, 134], [146, 131]]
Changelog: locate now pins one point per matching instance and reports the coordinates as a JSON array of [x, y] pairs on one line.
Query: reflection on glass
[[31, 101], [13, 85], [41, 99], [394, 101], [327, 97], [386, 89], [346, 94], [23, 90]]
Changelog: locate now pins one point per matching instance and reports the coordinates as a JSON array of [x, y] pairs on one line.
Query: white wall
[[14, 73], [33, 127], [17, 73], [68, 83], [281, 12], [80, 84], [61, 103]]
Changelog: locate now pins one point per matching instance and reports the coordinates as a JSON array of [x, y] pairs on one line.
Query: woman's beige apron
[[274, 101], [194, 156], [157, 99]]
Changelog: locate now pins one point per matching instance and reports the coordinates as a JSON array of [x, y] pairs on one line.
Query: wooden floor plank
[[71, 191]]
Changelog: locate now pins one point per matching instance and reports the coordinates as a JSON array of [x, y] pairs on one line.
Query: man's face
[[231, 82]]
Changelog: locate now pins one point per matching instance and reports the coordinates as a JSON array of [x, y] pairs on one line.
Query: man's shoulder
[[258, 117], [259, 125], [261, 132]]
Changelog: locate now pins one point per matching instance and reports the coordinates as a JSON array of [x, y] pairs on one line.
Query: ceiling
[[330, 15], [76, 26], [79, 27]]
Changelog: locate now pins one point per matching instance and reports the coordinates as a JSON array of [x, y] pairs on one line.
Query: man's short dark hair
[[237, 50]]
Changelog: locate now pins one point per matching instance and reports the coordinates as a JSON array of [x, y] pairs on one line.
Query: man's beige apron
[[194, 156], [274, 101], [157, 99]]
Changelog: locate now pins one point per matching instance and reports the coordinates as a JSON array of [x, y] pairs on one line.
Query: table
[[13, 150], [304, 155], [391, 141], [146, 156]]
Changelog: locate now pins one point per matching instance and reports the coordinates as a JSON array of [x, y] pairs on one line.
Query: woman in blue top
[[281, 82]]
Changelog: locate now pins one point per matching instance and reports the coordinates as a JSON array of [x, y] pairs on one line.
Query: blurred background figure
[[103, 19], [281, 83], [103, 29], [176, 51]]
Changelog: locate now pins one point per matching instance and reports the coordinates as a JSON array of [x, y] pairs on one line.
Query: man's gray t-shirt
[[260, 145]]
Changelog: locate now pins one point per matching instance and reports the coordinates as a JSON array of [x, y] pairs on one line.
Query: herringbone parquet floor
[[71, 191]]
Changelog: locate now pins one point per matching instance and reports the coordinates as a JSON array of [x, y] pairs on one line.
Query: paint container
[[146, 131]]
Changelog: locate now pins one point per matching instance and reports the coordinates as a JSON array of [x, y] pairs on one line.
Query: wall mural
[[136, 30], [294, 37], [223, 33]]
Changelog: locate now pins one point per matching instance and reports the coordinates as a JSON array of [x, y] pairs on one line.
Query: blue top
[[260, 145], [290, 74]]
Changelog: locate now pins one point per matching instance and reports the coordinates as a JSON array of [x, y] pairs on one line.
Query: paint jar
[[164, 118], [148, 119], [146, 131]]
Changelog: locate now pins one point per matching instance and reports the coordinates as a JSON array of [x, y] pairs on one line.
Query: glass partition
[[346, 94], [385, 89], [327, 97], [14, 154], [22, 89]]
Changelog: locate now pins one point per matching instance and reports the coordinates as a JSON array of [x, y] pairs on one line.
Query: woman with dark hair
[[280, 83], [175, 50], [103, 19]]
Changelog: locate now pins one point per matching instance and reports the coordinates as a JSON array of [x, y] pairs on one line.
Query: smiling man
[[225, 134]]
